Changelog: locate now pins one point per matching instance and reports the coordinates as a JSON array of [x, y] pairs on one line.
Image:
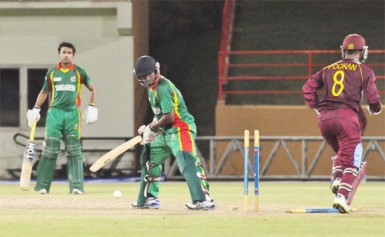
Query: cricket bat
[[111, 155], [29, 156], [357, 182]]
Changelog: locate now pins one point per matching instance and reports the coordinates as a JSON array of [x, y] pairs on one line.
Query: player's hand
[[371, 112], [316, 111], [33, 115], [92, 114], [141, 129], [147, 133]]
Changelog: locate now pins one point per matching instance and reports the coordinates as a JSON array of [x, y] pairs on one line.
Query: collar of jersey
[[69, 68], [352, 60], [156, 84]]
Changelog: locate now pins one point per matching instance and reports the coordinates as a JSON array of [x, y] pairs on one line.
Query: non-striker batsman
[[64, 84]]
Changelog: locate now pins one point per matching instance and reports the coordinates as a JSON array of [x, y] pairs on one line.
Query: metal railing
[[303, 61], [238, 67], [92, 148], [221, 150], [304, 166]]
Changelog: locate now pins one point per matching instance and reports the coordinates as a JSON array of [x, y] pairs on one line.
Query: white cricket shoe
[[76, 191], [341, 204], [150, 203], [42, 191], [335, 185], [201, 205]]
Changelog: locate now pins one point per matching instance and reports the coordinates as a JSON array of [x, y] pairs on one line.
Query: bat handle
[[33, 129]]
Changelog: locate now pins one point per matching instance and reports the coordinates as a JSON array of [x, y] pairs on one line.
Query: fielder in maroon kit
[[344, 83]]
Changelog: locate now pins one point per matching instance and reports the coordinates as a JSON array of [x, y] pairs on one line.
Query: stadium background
[[184, 36]]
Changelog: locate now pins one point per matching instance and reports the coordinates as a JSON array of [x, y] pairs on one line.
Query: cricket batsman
[[172, 133], [340, 121], [64, 84]]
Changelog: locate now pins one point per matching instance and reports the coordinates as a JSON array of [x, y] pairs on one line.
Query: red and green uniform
[[63, 123], [177, 139], [65, 86]]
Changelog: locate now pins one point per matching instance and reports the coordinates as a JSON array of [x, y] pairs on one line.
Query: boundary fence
[[304, 165], [215, 160]]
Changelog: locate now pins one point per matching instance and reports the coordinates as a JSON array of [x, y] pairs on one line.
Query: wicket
[[246, 161]]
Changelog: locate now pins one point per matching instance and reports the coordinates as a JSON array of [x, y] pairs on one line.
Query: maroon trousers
[[341, 129]]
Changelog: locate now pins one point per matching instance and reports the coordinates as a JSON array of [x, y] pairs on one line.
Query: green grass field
[[97, 213]]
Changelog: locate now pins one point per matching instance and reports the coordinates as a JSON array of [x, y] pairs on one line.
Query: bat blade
[[25, 176], [29, 156], [357, 182], [111, 155]]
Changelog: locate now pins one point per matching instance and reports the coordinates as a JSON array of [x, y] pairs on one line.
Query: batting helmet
[[355, 42], [145, 66]]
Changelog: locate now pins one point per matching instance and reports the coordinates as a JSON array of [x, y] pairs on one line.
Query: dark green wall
[[185, 37]]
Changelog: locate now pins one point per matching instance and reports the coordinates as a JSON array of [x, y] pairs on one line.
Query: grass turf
[[97, 213]]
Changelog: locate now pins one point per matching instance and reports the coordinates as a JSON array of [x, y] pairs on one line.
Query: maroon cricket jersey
[[343, 83]]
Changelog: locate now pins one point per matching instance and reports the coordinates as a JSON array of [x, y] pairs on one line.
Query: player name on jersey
[[65, 88], [346, 66]]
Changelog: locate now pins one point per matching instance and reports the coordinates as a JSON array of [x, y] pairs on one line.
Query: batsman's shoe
[[335, 185], [150, 203], [201, 205], [42, 191], [341, 204], [76, 191], [134, 205]]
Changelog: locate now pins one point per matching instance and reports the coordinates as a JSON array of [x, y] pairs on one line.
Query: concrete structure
[[288, 121], [102, 32]]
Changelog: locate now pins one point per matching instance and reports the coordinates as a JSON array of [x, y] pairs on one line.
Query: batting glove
[[33, 115], [141, 129], [92, 114], [147, 133], [371, 112]]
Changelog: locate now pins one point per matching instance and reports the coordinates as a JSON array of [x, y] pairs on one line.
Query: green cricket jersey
[[165, 98], [65, 85]]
